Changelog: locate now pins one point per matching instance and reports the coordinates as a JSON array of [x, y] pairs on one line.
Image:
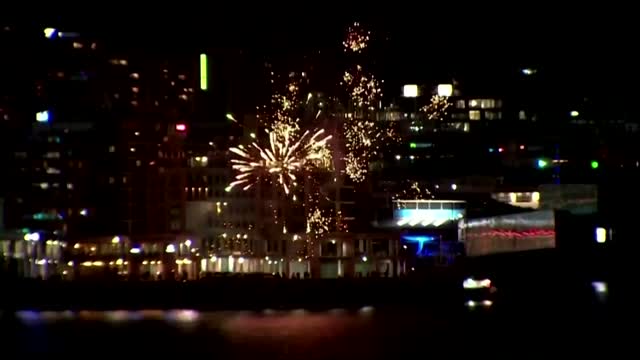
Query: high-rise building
[[94, 141]]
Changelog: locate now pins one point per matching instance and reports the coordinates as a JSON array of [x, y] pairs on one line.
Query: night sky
[[584, 50]]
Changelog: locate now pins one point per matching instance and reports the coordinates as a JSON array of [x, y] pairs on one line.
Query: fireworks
[[437, 107], [357, 39], [362, 134], [317, 223], [414, 192], [286, 156], [364, 89], [362, 138]]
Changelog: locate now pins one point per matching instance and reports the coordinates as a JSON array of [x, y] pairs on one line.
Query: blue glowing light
[[426, 217], [420, 239]]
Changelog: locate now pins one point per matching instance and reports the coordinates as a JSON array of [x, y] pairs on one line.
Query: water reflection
[[268, 317], [242, 333], [372, 333]]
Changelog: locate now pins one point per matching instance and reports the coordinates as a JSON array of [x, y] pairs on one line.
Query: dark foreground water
[[541, 325]]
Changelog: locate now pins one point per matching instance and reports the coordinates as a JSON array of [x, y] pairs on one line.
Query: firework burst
[[317, 223], [282, 161], [437, 107], [364, 89], [357, 39]]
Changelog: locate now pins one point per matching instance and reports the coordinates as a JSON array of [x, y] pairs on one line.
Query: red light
[[500, 149], [181, 127]]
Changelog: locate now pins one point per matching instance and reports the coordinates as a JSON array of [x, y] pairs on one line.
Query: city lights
[[49, 33], [601, 235], [410, 91], [42, 116], [203, 72], [130, 167], [445, 90], [32, 237], [542, 163]]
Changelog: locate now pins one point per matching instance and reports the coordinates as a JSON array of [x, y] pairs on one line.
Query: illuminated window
[[138, 163], [522, 115], [112, 149], [135, 76], [484, 103], [487, 103], [490, 115], [461, 104], [52, 155], [122, 62], [77, 45], [474, 115], [111, 180], [135, 89]]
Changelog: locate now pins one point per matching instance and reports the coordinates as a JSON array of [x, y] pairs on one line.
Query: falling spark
[[364, 89], [317, 223], [413, 192], [437, 107]]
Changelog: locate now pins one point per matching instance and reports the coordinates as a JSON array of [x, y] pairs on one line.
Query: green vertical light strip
[[203, 71]]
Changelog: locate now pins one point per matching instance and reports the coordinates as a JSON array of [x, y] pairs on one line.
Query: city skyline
[[173, 138]]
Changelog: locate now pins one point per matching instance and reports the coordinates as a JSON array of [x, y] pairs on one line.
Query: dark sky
[[592, 47]]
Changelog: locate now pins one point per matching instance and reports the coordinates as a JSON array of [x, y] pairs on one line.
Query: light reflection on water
[[372, 333], [179, 316], [297, 318]]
